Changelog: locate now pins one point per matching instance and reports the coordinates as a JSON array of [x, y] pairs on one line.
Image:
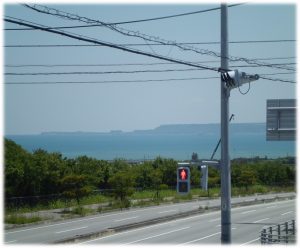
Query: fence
[[281, 233], [32, 201]]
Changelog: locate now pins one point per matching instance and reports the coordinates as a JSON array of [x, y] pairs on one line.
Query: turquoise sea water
[[149, 146]]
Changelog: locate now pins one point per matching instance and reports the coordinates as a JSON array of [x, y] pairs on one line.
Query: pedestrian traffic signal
[[183, 187], [183, 180], [183, 174]]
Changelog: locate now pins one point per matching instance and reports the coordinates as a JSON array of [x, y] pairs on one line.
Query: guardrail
[[281, 233]]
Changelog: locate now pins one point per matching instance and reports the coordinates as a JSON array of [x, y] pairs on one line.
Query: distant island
[[172, 141], [198, 129]]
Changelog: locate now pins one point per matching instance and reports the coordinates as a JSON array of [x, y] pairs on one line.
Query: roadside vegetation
[[42, 180]]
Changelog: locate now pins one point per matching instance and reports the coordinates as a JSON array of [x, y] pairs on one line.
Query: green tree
[[142, 173], [235, 173], [213, 177], [90, 167], [156, 182], [15, 161], [47, 171], [75, 186], [247, 177], [195, 176], [106, 173], [122, 184], [168, 168], [290, 172]]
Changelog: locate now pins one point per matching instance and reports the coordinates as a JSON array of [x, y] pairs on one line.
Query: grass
[[82, 211], [21, 219], [149, 194], [144, 198], [59, 204]]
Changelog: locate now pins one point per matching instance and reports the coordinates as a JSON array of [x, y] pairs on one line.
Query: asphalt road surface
[[202, 228], [247, 223]]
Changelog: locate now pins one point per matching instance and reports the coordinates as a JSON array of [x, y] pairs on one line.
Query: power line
[[137, 81], [137, 34], [91, 40], [128, 64], [92, 72], [130, 33], [129, 22], [277, 73], [107, 82], [278, 79], [110, 72], [277, 64], [97, 65], [153, 44]]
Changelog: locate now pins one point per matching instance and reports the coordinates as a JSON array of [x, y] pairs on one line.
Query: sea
[[178, 142]]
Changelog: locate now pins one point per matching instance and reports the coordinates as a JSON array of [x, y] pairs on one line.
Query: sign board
[[281, 119], [204, 171]]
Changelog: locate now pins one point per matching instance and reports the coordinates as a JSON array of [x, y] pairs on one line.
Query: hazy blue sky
[[30, 109]]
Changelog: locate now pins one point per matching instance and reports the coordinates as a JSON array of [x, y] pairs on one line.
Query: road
[[247, 222], [205, 226]]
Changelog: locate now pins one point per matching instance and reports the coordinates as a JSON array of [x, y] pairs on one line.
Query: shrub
[[80, 210], [21, 219]]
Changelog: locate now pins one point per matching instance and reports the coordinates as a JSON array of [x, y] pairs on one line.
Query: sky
[[141, 103]]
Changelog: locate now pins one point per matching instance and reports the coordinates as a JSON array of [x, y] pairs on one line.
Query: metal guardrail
[[281, 233]]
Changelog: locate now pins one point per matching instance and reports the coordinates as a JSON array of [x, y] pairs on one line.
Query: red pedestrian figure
[[183, 175]]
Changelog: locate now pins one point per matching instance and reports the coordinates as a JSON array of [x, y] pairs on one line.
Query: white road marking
[[179, 220], [287, 212], [250, 211], [260, 220], [118, 220], [12, 241], [272, 206], [251, 241], [172, 210], [154, 236], [63, 223], [72, 229], [91, 218], [132, 211], [213, 220], [233, 228], [201, 238], [152, 226]]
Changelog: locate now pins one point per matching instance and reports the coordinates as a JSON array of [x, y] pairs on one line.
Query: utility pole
[[225, 160]]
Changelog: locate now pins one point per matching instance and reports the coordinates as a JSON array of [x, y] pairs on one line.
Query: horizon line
[[122, 131]]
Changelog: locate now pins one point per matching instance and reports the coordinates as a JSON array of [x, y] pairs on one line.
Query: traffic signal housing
[[236, 78], [183, 180]]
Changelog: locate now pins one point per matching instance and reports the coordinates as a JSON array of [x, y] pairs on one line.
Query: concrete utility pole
[[225, 160]]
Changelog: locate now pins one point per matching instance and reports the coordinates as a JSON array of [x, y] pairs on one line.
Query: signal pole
[[225, 160]]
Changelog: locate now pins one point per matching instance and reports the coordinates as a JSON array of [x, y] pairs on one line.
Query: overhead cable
[[93, 72], [137, 21], [95, 41], [108, 82], [106, 72], [134, 81], [73, 17], [152, 44], [277, 79], [128, 64]]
